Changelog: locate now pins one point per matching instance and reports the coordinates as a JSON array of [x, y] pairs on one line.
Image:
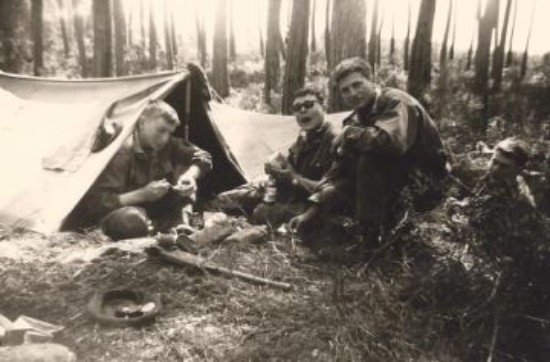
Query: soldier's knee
[[125, 223]]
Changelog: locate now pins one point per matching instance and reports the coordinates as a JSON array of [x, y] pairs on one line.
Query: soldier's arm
[[191, 161], [307, 184], [393, 132], [105, 195]]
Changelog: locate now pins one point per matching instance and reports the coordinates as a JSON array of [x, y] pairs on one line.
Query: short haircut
[[514, 149], [310, 89], [164, 110], [351, 65]]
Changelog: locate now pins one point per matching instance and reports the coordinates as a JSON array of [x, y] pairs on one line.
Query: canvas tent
[[48, 129]]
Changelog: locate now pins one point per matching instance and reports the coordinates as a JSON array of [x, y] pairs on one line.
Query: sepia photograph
[[274, 180]]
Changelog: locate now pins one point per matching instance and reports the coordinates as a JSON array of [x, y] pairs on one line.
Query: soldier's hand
[[282, 175], [296, 224], [156, 189], [186, 186]]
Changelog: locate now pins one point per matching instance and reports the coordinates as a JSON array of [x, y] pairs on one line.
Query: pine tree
[[498, 56], [13, 20], [37, 13], [153, 39], [407, 44], [272, 63], [347, 39], [79, 35], [220, 74], [103, 36], [120, 37], [295, 70], [421, 52]]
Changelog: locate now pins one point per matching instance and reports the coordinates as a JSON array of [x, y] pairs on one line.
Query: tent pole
[[187, 108]]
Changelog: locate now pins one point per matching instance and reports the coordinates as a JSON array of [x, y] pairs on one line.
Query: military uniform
[[386, 146], [310, 157], [504, 218], [134, 167]]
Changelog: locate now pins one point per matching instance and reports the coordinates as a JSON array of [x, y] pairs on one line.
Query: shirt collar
[[370, 108], [314, 133]]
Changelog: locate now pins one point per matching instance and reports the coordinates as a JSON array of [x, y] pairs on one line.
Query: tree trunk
[[495, 29], [373, 36], [525, 58], [167, 37], [469, 55], [220, 75], [129, 26], [120, 37], [452, 49], [142, 25], [485, 30], [153, 38], [481, 80], [510, 56], [498, 57], [102, 38], [79, 35], [392, 40], [347, 39], [201, 41], [38, 43], [313, 45], [173, 34], [295, 70], [379, 43], [443, 53], [282, 46], [232, 46], [12, 33], [407, 44], [63, 26], [271, 64], [327, 32], [262, 46], [421, 52]]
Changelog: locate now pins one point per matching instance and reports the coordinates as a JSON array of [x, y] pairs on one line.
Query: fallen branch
[[493, 339], [182, 258]]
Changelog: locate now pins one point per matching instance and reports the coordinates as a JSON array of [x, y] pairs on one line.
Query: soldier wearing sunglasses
[[387, 143], [297, 176]]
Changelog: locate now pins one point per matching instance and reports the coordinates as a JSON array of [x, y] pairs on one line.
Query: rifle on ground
[[183, 258]]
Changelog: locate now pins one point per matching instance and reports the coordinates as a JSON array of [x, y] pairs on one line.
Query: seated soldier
[[292, 179], [149, 179], [389, 143], [297, 176]]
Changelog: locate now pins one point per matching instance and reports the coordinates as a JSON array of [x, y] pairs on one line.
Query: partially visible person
[[509, 234], [502, 210], [292, 178], [504, 173], [387, 143], [149, 179]]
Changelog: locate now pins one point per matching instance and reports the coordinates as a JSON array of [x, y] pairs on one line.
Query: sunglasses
[[297, 107]]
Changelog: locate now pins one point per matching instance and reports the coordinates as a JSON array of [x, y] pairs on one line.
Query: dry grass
[[331, 314], [412, 303]]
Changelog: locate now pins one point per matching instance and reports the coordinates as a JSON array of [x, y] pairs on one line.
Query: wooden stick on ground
[[183, 258]]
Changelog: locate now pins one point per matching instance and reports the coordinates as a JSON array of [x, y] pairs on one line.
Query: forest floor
[[336, 309], [416, 300]]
